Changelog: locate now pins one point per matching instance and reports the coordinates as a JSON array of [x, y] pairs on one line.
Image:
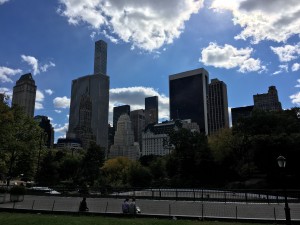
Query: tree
[[19, 140]]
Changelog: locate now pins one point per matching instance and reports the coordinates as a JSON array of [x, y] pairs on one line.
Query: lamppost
[[281, 163]]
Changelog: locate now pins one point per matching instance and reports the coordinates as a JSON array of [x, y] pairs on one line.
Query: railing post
[[202, 212], [225, 197], [275, 214], [106, 207], [176, 194], [169, 209], [32, 204], [53, 205], [202, 194], [236, 212], [246, 197], [194, 195]]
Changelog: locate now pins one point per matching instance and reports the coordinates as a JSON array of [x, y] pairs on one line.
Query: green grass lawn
[[40, 219]]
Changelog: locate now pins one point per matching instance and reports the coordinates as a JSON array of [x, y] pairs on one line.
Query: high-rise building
[[89, 103], [240, 112], [267, 101], [188, 92], [124, 144], [100, 59], [45, 124], [118, 111], [24, 93], [137, 118], [151, 110], [218, 117]]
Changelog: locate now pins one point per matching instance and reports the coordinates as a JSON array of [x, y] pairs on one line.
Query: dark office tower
[[188, 92], [89, 105], [118, 111], [218, 117], [137, 118], [100, 60], [24, 94], [151, 110], [239, 113], [48, 136], [267, 101]]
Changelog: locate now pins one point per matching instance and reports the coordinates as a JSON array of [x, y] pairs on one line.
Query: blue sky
[[248, 44]]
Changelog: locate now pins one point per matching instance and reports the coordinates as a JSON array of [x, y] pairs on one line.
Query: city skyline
[[55, 42]]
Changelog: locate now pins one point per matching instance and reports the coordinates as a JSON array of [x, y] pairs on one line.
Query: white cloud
[[3, 1], [6, 72], [147, 24], [228, 57], [274, 20], [135, 97], [39, 99], [49, 91], [282, 69], [295, 67], [57, 111], [287, 52], [296, 98], [298, 85], [61, 102], [62, 129], [45, 67], [33, 62], [6, 91]]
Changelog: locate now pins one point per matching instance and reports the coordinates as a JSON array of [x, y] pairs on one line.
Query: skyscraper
[[267, 101], [240, 113], [151, 110], [46, 125], [218, 117], [24, 93], [137, 118], [118, 111], [90, 102], [188, 93], [100, 59]]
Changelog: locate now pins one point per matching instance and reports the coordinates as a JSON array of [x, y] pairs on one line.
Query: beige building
[[24, 93], [124, 144]]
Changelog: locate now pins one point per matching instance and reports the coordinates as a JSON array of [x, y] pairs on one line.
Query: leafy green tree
[[139, 176]]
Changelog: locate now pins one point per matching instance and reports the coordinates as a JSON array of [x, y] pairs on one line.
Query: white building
[[124, 144]]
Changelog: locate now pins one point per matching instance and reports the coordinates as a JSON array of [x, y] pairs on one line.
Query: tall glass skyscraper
[[151, 110], [95, 88], [188, 92]]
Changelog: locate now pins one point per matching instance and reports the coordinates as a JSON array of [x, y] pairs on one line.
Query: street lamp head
[[281, 161]]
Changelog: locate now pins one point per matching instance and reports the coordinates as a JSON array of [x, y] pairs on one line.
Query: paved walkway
[[271, 212]]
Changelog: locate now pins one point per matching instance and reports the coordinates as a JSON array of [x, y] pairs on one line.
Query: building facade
[[188, 92], [24, 93], [100, 57], [72, 144], [90, 103], [218, 117], [118, 111], [48, 129], [156, 136], [137, 118], [124, 144], [267, 101], [151, 110], [240, 112]]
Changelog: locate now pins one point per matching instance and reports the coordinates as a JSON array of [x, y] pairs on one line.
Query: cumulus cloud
[[6, 73], [3, 1], [62, 128], [295, 98], [57, 111], [6, 91], [287, 52], [298, 85], [147, 24], [44, 68], [135, 97], [274, 20], [61, 102], [295, 67], [49, 91], [282, 69], [39, 100], [228, 57], [33, 62]]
